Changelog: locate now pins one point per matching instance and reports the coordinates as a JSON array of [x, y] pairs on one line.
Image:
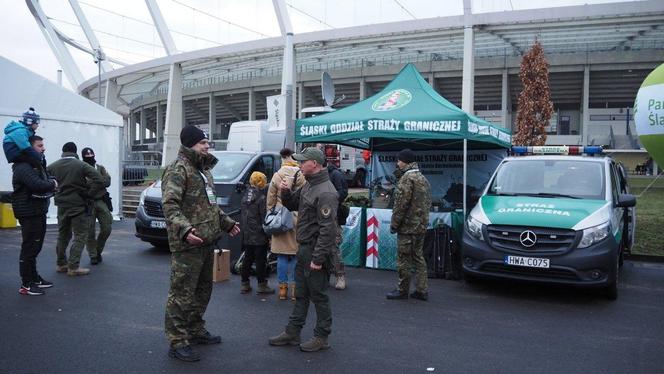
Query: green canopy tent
[[407, 113]]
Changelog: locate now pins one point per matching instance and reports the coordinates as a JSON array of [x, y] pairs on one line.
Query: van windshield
[[550, 178], [230, 165]]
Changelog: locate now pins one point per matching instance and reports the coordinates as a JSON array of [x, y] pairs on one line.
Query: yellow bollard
[[7, 219]]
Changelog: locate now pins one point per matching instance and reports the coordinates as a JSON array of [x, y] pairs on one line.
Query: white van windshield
[[230, 165], [550, 178]]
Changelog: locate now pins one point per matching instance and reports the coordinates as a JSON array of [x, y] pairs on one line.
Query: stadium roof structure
[[614, 27]]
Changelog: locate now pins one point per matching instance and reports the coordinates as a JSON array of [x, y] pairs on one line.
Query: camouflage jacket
[[185, 201], [412, 202], [316, 203]]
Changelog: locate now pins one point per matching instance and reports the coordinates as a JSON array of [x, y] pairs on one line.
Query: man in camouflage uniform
[[410, 218], [194, 223], [316, 203], [78, 183], [100, 211]]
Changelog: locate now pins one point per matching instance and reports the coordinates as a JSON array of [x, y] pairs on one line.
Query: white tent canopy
[[65, 117]]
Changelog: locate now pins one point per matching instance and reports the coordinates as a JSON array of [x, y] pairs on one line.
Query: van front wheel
[[611, 290]]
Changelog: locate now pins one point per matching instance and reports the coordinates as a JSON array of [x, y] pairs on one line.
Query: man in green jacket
[[78, 183], [194, 223], [100, 211], [410, 218], [316, 203]]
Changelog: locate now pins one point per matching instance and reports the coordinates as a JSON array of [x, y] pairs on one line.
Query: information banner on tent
[[352, 248], [382, 245], [443, 169]]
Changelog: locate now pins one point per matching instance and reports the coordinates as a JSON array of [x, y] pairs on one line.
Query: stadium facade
[[598, 55]]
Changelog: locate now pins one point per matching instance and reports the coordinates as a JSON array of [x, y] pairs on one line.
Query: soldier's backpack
[[441, 252]]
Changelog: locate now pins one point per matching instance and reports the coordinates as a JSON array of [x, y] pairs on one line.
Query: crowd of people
[[79, 191], [307, 254]]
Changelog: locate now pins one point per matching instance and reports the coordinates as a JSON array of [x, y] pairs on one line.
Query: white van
[[254, 136]]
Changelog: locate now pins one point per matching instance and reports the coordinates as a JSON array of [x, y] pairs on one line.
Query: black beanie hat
[[86, 158], [190, 135], [87, 150], [406, 156], [69, 147]]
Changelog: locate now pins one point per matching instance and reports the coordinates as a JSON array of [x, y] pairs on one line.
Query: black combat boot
[[184, 353], [397, 295], [424, 296], [205, 338]]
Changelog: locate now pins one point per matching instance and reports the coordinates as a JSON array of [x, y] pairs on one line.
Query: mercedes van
[[555, 215]]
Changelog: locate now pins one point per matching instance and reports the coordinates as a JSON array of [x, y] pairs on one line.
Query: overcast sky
[[124, 28]]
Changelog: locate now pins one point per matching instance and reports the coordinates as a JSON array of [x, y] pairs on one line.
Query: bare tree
[[535, 106]]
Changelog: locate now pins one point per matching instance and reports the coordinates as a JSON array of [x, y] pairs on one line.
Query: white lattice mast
[[288, 69], [69, 67]]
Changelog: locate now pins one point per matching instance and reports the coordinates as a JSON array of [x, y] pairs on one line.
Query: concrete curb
[[645, 258]]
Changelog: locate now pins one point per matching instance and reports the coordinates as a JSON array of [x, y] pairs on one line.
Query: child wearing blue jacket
[[16, 144]]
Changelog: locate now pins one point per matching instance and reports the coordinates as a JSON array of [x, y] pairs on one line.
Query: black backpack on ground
[[441, 252]]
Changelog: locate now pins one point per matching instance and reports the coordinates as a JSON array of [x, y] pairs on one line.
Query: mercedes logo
[[528, 238]]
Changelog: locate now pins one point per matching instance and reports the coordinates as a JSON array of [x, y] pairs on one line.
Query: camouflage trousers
[[409, 256], [338, 259], [95, 244], [78, 225], [310, 286], [189, 294]]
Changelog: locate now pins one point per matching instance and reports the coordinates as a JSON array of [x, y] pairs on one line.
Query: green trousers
[[78, 225], [409, 256], [95, 244], [189, 294], [310, 286]]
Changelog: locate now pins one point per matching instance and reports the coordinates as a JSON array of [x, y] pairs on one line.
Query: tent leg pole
[[465, 175], [371, 172]]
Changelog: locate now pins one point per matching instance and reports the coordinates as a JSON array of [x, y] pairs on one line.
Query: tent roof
[[23, 89], [408, 109]]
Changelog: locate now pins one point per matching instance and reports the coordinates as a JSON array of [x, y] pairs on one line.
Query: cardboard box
[[222, 265]]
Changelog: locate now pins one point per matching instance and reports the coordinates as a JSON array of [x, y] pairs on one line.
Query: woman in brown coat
[[284, 245]]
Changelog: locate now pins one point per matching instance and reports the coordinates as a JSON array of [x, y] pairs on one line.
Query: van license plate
[[158, 224], [531, 262]]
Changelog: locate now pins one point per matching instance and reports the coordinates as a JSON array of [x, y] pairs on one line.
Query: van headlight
[[474, 228], [141, 199], [594, 235]]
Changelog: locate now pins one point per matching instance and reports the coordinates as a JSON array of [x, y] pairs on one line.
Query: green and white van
[[553, 217]]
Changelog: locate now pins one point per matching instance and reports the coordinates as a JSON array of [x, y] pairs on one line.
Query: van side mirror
[[240, 187], [626, 200]]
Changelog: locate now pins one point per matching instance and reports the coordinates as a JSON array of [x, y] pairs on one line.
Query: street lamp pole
[[99, 57]]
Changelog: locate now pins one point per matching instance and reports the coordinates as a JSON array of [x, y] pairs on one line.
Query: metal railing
[[137, 172]]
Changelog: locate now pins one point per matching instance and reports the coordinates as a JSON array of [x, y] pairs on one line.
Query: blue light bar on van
[[557, 150]]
